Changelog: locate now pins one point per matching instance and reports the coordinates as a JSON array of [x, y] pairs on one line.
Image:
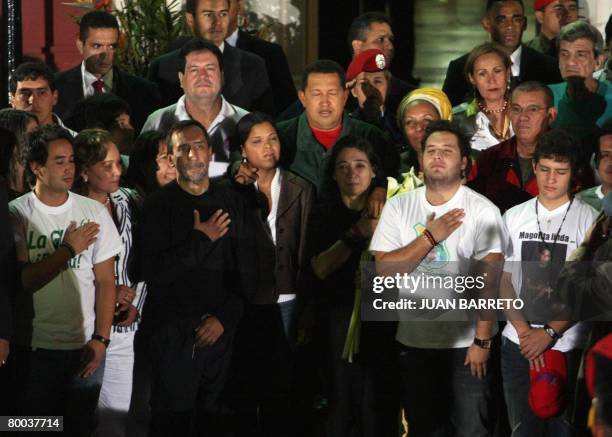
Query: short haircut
[[349, 142], [463, 139], [89, 149], [560, 146], [198, 45], [360, 26], [246, 124], [37, 150], [143, 165], [581, 29], [179, 127], [31, 71], [481, 50], [533, 86], [491, 3], [323, 66], [192, 5], [96, 20], [98, 111]]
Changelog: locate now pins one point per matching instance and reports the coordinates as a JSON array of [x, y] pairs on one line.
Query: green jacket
[[302, 154]]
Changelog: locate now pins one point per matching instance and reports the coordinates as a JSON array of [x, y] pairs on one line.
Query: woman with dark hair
[[98, 165], [279, 202], [20, 123], [486, 117], [150, 168], [338, 233]]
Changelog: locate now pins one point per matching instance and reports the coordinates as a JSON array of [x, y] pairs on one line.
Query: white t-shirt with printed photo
[[534, 263], [64, 316], [402, 221]]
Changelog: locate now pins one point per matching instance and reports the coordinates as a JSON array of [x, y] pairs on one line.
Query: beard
[[194, 172]]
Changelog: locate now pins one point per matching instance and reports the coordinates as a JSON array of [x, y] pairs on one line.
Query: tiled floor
[[445, 30]]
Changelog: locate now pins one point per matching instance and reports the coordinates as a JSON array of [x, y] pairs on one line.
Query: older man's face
[[577, 58], [324, 99], [379, 36]]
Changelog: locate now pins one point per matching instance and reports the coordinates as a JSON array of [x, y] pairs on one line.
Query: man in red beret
[[552, 15]]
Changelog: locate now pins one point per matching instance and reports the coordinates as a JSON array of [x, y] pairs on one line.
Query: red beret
[[371, 61], [538, 5]]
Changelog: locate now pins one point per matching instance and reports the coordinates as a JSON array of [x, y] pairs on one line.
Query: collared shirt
[[218, 131], [60, 123], [515, 57], [222, 46], [233, 38], [89, 79]]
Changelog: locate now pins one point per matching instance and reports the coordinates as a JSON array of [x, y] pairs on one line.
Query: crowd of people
[[184, 254]]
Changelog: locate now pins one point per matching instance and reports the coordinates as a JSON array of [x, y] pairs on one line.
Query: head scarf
[[437, 98]]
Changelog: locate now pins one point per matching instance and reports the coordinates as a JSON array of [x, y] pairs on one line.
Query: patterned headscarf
[[436, 97]]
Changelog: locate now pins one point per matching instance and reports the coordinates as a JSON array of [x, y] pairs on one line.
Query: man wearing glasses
[[32, 89], [505, 171], [552, 15]]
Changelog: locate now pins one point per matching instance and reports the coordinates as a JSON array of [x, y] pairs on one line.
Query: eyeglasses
[[516, 110]]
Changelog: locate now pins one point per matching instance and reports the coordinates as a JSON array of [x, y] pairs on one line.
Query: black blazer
[[246, 82], [281, 80], [534, 66], [141, 94]]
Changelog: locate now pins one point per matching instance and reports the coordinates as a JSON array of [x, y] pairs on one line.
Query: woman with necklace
[[98, 164], [486, 116]]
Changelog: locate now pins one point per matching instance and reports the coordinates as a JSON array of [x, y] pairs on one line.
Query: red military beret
[[370, 60]]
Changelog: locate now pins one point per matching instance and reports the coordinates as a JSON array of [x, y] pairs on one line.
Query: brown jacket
[[280, 265]]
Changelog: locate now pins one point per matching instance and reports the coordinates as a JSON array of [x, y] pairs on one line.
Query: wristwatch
[[485, 344], [553, 334], [105, 341]]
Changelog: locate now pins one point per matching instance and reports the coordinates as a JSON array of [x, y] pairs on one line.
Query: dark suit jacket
[[280, 265], [246, 82], [141, 95], [281, 80], [534, 66]]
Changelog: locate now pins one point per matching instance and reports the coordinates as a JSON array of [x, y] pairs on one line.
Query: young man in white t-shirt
[[542, 234], [446, 382], [66, 246]]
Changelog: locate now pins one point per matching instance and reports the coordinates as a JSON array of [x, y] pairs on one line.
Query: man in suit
[[246, 82], [505, 21], [281, 80], [97, 43]]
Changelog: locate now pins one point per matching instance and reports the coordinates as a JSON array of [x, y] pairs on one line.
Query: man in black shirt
[[198, 262]]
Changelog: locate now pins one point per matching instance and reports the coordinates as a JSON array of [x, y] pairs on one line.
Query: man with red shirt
[[307, 140], [504, 173]]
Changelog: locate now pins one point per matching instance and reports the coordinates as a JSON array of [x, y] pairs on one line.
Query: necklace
[[541, 235], [486, 110]]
